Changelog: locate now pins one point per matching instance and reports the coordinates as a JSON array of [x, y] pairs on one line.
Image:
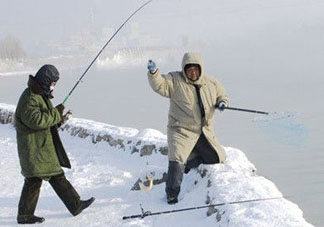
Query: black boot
[[83, 205], [186, 170], [30, 220], [172, 200]]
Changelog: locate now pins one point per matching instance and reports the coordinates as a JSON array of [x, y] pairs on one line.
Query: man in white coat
[[193, 98]]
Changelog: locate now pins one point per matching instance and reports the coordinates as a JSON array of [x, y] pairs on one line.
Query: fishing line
[[87, 69]]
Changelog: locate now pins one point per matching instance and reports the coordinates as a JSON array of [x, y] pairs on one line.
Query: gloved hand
[[151, 66], [60, 108], [67, 115], [221, 106]]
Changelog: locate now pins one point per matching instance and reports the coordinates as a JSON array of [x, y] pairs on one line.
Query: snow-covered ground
[[109, 172]]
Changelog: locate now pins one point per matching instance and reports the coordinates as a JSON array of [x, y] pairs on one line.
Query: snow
[[108, 173], [7, 107], [104, 128]]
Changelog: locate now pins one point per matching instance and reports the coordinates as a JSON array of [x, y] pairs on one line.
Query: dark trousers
[[31, 189], [202, 153]]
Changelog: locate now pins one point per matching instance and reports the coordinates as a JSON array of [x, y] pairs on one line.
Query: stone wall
[[128, 143]]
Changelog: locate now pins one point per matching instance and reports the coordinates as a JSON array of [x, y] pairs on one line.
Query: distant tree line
[[10, 48]]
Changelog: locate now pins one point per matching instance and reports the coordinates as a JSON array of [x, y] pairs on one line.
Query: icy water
[[123, 97]]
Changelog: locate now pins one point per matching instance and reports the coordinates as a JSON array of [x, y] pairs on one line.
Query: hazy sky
[[38, 22]]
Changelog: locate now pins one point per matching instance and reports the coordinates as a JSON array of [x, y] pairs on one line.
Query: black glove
[[67, 115], [65, 118], [60, 108]]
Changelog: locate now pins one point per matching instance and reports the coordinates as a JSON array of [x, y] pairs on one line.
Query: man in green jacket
[[191, 138], [41, 152]]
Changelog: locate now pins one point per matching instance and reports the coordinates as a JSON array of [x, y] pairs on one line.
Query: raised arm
[[161, 84]]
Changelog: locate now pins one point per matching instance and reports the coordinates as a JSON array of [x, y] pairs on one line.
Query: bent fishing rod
[[149, 213], [111, 38]]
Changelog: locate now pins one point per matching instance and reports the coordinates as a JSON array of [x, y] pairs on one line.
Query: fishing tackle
[[149, 213], [141, 7]]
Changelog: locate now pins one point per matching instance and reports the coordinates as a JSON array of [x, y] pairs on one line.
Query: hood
[[45, 76], [193, 58], [36, 88]]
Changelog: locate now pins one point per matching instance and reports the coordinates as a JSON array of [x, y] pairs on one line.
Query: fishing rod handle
[[64, 101], [131, 217], [246, 110]]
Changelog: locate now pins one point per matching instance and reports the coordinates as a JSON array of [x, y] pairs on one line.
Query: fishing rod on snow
[[149, 213], [141, 7]]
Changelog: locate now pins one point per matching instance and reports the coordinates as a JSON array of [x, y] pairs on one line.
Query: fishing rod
[[141, 7], [246, 110], [149, 213]]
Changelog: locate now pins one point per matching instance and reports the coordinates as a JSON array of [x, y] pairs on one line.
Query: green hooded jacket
[[185, 123], [40, 150]]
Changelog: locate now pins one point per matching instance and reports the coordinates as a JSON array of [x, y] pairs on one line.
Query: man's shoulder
[[25, 95], [29, 96], [25, 99], [210, 79], [33, 95], [176, 75]]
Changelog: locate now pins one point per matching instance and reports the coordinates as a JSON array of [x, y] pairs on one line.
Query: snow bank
[[109, 173]]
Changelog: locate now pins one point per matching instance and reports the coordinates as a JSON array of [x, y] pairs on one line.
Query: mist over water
[[267, 54]]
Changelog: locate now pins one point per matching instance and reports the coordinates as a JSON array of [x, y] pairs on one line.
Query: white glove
[[222, 106], [151, 66]]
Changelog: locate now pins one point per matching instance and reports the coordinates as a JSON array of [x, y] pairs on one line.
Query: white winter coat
[[185, 124]]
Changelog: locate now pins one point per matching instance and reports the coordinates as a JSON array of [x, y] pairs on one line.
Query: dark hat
[[45, 76]]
